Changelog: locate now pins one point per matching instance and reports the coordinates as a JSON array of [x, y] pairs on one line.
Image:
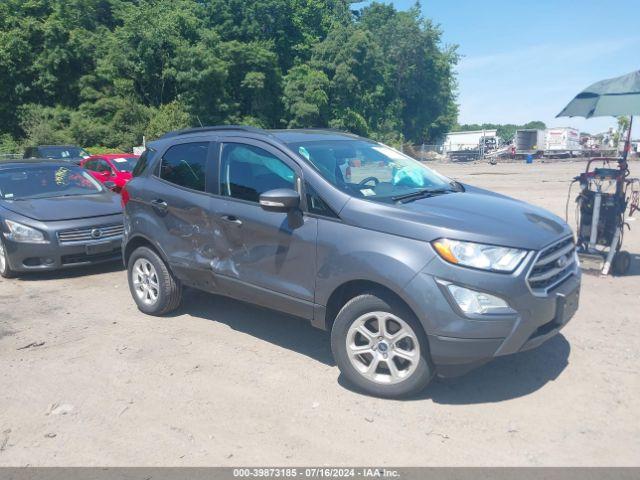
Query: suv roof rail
[[216, 128]]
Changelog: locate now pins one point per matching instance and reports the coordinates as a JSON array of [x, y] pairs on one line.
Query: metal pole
[[627, 143], [595, 219], [612, 252]]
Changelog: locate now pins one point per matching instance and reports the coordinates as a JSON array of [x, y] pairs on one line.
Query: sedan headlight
[[478, 255], [23, 233]]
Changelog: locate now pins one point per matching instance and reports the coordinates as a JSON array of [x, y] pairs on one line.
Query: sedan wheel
[[383, 347], [5, 270]]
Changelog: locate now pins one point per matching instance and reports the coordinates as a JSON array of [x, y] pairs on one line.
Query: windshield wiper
[[424, 193]]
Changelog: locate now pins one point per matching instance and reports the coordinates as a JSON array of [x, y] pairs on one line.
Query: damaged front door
[[265, 257]]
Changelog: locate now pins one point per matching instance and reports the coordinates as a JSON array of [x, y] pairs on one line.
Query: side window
[[141, 164], [247, 171], [185, 165], [90, 165], [316, 205], [102, 166]]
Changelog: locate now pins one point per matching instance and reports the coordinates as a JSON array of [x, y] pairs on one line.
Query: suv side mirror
[[280, 200]]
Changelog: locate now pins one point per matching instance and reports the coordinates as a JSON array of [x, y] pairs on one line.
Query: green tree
[[167, 118], [305, 97], [107, 72]]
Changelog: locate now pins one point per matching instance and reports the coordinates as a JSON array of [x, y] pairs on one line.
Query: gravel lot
[[225, 383]]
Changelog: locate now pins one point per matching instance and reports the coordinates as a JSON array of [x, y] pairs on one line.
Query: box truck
[[562, 142], [529, 142]]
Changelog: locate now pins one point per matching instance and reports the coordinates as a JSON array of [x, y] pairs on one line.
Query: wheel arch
[[351, 289], [138, 241]]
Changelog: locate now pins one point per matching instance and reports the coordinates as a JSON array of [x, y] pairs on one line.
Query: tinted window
[[90, 165], [46, 181], [185, 165], [145, 158], [248, 171], [316, 205], [102, 166]]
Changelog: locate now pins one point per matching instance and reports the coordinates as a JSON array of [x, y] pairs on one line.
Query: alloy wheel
[[145, 281], [383, 348]]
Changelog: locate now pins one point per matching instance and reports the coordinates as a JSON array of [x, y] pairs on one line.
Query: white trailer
[[562, 142], [530, 141]]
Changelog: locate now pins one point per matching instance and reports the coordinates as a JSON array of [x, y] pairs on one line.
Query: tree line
[[107, 72]]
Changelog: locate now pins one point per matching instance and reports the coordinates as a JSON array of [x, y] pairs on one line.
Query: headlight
[[478, 303], [478, 255], [24, 234]]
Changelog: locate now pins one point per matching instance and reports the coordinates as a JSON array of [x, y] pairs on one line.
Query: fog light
[[478, 303]]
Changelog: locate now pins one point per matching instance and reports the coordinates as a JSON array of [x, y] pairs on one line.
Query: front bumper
[[30, 257], [458, 343], [37, 257]]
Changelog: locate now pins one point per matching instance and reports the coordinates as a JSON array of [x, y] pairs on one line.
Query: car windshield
[[46, 181], [371, 170], [125, 164], [62, 152]]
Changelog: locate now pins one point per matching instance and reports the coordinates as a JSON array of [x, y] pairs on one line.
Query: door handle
[[160, 205], [232, 219]]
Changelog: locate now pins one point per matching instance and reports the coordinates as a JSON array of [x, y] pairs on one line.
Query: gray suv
[[413, 273]]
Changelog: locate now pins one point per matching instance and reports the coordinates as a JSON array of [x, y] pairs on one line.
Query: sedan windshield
[[46, 181], [125, 164], [371, 170]]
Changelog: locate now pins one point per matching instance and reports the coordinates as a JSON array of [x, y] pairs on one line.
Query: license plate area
[[97, 248], [567, 307]]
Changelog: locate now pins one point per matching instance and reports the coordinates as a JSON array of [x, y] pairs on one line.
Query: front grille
[[99, 232], [553, 265]]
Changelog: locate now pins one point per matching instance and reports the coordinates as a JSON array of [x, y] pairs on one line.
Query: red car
[[112, 167]]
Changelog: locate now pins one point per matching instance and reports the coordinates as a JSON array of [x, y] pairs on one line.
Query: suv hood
[[475, 215], [66, 208]]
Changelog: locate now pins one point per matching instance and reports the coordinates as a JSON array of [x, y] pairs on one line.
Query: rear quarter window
[[184, 165], [145, 159]]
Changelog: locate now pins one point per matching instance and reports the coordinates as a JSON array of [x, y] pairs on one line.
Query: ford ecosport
[[413, 273]]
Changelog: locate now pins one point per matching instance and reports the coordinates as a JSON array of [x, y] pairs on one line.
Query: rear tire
[[5, 269], [380, 346], [153, 286], [621, 263]]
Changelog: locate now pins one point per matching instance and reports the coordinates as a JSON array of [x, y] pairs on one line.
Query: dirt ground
[[224, 383]]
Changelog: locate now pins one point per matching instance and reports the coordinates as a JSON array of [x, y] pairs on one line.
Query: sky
[[525, 60]]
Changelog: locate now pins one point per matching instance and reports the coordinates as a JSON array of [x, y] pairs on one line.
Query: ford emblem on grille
[[562, 261], [96, 233]]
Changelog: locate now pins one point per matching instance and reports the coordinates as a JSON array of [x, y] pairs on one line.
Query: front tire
[[380, 346], [5, 269], [153, 286]]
